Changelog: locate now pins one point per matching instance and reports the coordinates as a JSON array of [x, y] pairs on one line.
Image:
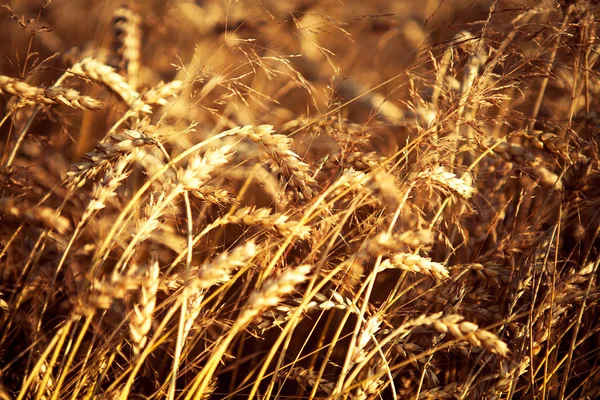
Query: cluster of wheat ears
[[299, 199]]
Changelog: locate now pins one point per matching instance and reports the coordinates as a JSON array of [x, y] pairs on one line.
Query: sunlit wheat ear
[[162, 92], [106, 75], [158, 95], [271, 292], [471, 333], [214, 272], [448, 181], [102, 292], [140, 321], [368, 330], [384, 187], [417, 264], [351, 178], [363, 161], [516, 153], [220, 269], [48, 96], [278, 149], [554, 144], [199, 168], [47, 391], [126, 24], [509, 369], [307, 379], [369, 386], [385, 243], [449, 391], [565, 287], [283, 313], [262, 217], [215, 195], [149, 221], [105, 189], [106, 153], [45, 217]]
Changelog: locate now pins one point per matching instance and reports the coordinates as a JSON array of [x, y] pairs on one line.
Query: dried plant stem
[[73, 351], [368, 284], [269, 295], [576, 329], [183, 315], [549, 66], [55, 344]]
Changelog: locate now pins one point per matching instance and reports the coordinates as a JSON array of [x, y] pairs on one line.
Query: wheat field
[[299, 199]]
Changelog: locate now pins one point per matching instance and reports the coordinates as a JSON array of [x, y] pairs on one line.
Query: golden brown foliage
[[299, 199]]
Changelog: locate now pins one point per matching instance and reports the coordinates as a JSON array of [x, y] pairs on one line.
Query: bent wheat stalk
[[269, 295]]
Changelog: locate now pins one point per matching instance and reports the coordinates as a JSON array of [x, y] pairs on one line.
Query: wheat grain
[[141, 318], [106, 75], [161, 92], [470, 332], [414, 263], [263, 218], [385, 187], [448, 180], [126, 24], [48, 96], [307, 379], [278, 150], [199, 169], [105, 189], [272, 291], [38, 215], [107, 153]]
